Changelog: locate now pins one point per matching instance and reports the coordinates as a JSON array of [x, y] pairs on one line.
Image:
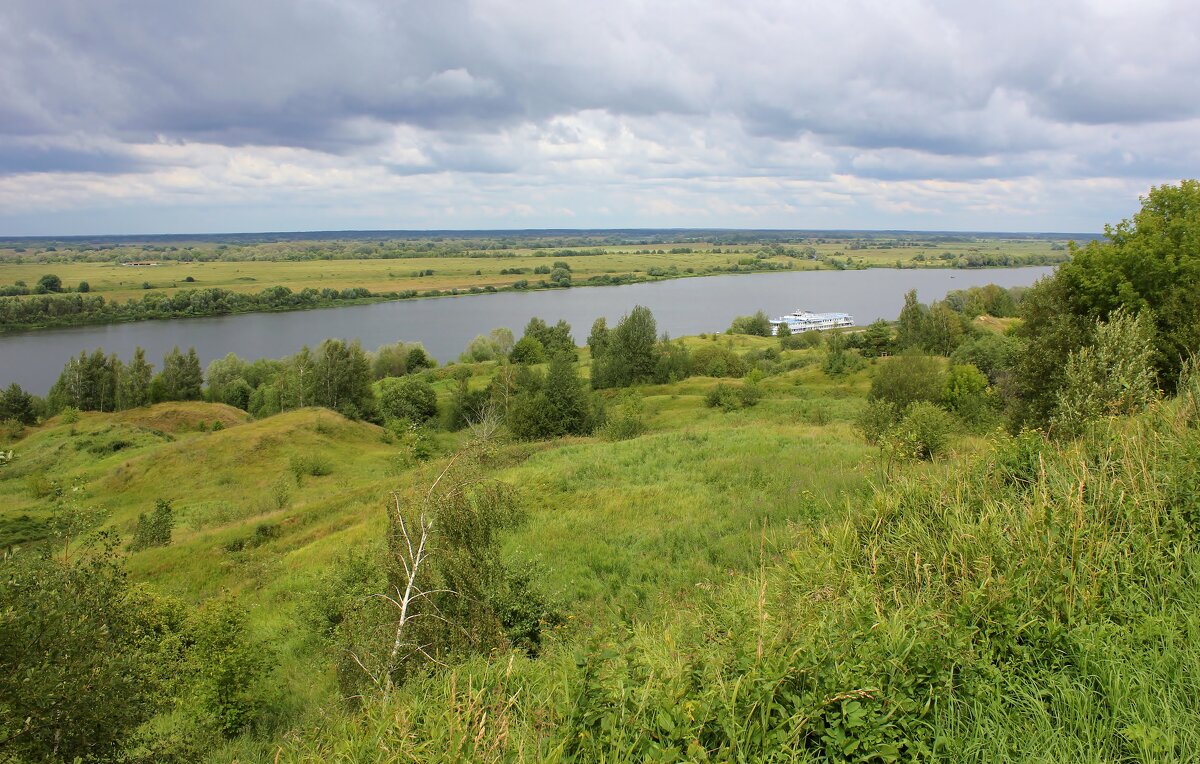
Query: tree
[[226, 378], [906, 379], [1149, 263], [154, 529], [88, 383], [1112, 377], [17, 405], [758, 325], [180, 378], [911, 326], [84, 654], [467, 406], [496, 344], [876, 340], [597, 341], [49, 283], [990, 353], [227, 665], [84, 287], [389, 361], [417, 359], [135, 383], [631, 355], [448, 592], [555, 339], [528, 350], [552, 406], [966, 392], [341, 379], [408, 398]]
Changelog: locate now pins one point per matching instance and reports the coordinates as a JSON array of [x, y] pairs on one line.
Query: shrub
[[717, 361], [731, 398], [626, 421], [966, 393], [408, 398], [757, 325], [154, 529], [907, 379], [528, 351], [877, 419], [1113, 377], [310, 464], [925, 430]]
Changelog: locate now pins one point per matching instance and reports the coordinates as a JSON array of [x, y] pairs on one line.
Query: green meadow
[[390, 268]]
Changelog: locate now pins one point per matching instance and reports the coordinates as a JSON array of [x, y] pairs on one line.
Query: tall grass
[[1039, 602]]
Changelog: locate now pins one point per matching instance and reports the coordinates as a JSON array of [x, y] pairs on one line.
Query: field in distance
[[423, 267]]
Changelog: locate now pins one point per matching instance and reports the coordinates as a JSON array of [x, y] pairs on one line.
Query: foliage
[[85, 656], [906, 379], [839, 359], [17, 405], [154, 529], [448, 592], [714, 360], [180, 378], [228, 666], [731, 397], [966, 393], [553, 339], [341, 380], [552, 406], [50, 309], [309, 465], [626, 420], [876, 339], [408, 398], [1114, 376], [1149, 263], [528, 351], [758, 325], [924, 430], [993, 354], [630, 356], [496, 344], [877, 419]]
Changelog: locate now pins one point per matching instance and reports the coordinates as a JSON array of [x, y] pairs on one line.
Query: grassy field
[[622, 531], [744, 585], [483, 269]]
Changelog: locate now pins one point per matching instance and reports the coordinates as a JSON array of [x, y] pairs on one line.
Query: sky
[[143, 116]]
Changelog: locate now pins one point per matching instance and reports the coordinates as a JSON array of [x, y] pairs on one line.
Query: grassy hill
[[736, 585]]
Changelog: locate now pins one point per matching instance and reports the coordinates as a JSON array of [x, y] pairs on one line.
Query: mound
[[182, 416]]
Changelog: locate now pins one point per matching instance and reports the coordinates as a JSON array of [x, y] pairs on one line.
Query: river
[[445, 325]]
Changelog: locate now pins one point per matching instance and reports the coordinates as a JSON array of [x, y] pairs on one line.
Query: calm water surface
[[445, 325]]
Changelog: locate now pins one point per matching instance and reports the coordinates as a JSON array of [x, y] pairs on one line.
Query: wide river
[[445, 325]]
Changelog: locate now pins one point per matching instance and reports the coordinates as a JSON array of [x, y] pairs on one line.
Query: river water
[[445, 325]]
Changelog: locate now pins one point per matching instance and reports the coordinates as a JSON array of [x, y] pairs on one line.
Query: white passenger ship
[[803, 321]]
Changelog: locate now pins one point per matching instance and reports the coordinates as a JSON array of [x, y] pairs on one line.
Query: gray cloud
[[619, 92]]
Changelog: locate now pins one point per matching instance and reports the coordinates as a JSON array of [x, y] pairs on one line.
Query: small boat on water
[[803, 321]]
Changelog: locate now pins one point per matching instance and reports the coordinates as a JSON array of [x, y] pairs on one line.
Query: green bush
[[717, 361], [154, 529], [877, 419], [907, 379], [309, 464], [410, 398], [925, 430]]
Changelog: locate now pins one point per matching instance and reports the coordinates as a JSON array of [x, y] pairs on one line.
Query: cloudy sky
[[140, 116]]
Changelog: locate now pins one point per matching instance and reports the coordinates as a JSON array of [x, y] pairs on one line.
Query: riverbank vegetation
[[46, 284], [845, 546]]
